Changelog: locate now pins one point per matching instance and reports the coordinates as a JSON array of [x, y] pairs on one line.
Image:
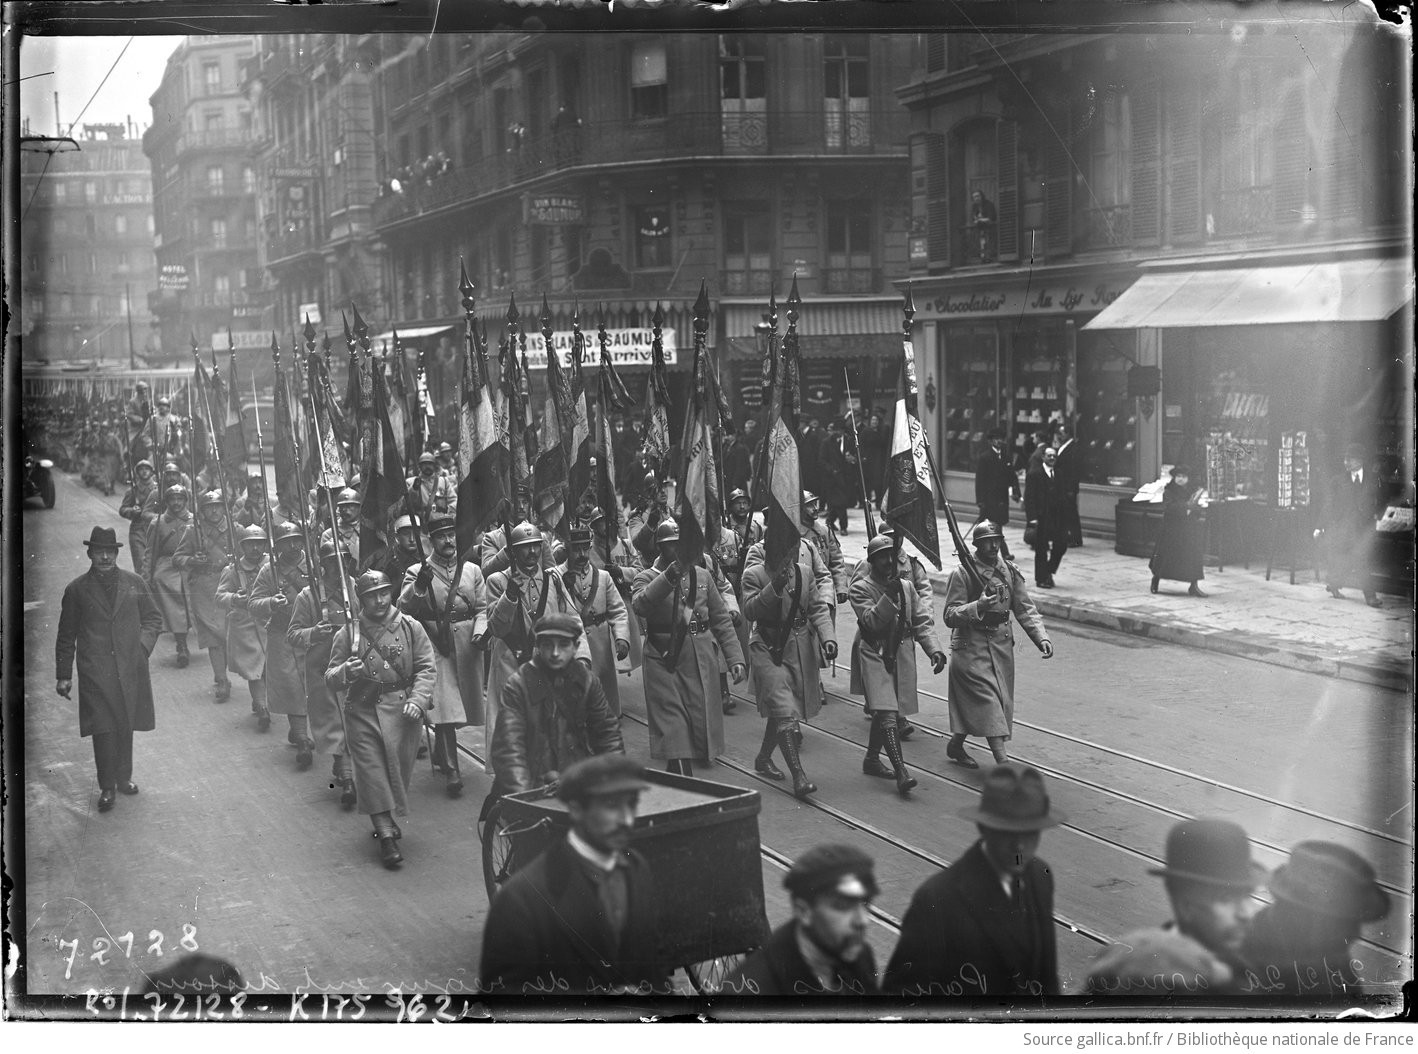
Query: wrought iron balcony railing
[[1108, 228], [1249, 210]]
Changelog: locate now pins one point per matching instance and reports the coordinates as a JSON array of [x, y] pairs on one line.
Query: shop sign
[[292, 172], [553, 209], [628, 347], [173, 278], [242, 340], [1081, 298]]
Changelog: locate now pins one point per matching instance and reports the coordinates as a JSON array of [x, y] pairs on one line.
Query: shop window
[[1107, 209], [652, 238], [1107, 418], [1233, 418], [847, 87], [849, 247], [743, 102], [748, 248], [972, 392], [571, 243], [1040, 362], [649, 80]]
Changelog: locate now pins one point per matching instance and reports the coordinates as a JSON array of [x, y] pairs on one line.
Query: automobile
[[39, 479]]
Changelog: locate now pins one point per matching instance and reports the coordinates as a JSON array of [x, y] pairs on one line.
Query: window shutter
[[937, 201], [1058, 190], [1007, 169], [935, 52], [1183, 166], [1350, 155], [1292, 162], [1146, 164]]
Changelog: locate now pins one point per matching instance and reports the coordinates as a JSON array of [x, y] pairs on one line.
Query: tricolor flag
[[910, 497], [288, 486], [613, 398], [784, 525], [233, 438], [558, 423], [655, 438], [699, 480], [397, 387], [513, 420], [482, 488], [383, 483], [329, 469], [580, 450]]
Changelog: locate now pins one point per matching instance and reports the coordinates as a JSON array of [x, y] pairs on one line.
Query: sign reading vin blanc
[[552, 209]]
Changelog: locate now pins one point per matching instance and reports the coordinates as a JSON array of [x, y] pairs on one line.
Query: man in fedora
[[984, 927], [109, 619], [1299, 945]]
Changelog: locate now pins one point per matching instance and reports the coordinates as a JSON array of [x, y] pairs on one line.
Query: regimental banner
[[553, 210], [628, 347]]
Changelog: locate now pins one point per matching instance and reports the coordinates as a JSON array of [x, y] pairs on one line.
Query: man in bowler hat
[[822, 949], [108, 618], [580, 918], [984, 927]]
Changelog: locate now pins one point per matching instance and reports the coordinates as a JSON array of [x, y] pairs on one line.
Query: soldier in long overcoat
[[448, 596], [981, 681], [388, 681], [272, 602], [201, 557], [312, 628], [108, 618], [164, 576], [604, 618], [619, 561], [134, 509], [791, 634], [912, 570], [737, 534], [245, 637], [516, 599], [891, 619], [681, 607]]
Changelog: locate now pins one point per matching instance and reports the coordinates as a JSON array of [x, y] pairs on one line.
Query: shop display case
[[1107, 420], [972, 394]]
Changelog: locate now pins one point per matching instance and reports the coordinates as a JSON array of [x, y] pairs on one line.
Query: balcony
[[977, 244], [1108, 228], [850, 279], [746, 282], [288, 244], [216, 139], [1250, 210]]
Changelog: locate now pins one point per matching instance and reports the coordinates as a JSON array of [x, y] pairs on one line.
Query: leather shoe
[[129, 788], [904, 728], [765, 767], [874, 767], [347, 793], [106, 800], [961, 758], [1044, 585], [1195, 591], [305, 755], [1335, 593], [728, 706], [803, 787], [222, 692], [1155, 580], [389, 853], [904, 782], [422, 752], [263, 720], [455, 787]]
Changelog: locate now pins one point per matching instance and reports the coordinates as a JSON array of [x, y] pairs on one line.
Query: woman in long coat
[[1182, 540]]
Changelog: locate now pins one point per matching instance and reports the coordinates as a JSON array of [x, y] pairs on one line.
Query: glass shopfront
[[1107, 418]]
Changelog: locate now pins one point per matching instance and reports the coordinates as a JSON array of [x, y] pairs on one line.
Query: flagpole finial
[[325, 343], [512, 314], [658, 318], [360, 328], [230, 340], [909, 308], [308, 333], [793, 297], [346, 322], [701, 305], [601, 316], [544, 321], [576, 312], [773, 310], [465, 285], [194, 341]]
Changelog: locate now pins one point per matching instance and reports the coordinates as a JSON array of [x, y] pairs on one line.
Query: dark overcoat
[[995, 481], [1182, 540], [551, 719], [546, 932], [962, 937], [1044, 501], [113, 642], [778, 968]]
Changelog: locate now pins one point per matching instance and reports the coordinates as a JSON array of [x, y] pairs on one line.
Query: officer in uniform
[[603, 615], [448, 597], [785, 654], [430, 491], [311, 631], [201, 556], [164, 575], [981, 682], [387, 675], [681, 605], [245, 637], [739, 531], [891, 618], [347, 504], [135, 509], [272, 604]]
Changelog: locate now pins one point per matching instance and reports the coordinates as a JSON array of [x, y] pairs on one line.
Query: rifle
[[857, 446], [312, 552], [261, 454], [974, 581]]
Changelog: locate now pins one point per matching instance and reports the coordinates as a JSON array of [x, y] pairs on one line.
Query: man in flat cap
[[822, 949], [580, 918], [109, 619], [984, 927], [1353, 504]]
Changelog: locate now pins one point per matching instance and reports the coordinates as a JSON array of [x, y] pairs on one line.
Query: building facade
[[86, 248], [204, 200], [1189, 248]]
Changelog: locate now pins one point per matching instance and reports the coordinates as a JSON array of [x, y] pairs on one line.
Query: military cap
[[404, 522], [440, 521], [581, 535], [163, 400], [348, 496], [736, 494], [177, 490], [257, 478], [842, 869], [445, 448], [809, 497], [601, 774], [668, 531], [558, 624]]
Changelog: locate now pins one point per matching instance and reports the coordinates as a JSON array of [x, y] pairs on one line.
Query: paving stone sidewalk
[[1299, 626]]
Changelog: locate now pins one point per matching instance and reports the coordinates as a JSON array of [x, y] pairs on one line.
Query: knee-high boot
[[763, 764], [904, 780], [447, 743], [788, 744], [258, 704], [871, 764]]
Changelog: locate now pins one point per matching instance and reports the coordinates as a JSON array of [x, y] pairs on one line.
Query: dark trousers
[[113, 757], [837, 515], [1048, 553]]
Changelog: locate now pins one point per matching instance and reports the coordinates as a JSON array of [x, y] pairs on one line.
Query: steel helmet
[[285, 529], [668, 531], [809, 497], [145, 463], [253, 533], [596, 513], [985, 529], [171, 466], [327, 550], [371, 582], [878, 544], [525, 534], [441, 521], [427, 458], [445, 448], [580, 535], [210, 497], [348, 496], [403, 523]]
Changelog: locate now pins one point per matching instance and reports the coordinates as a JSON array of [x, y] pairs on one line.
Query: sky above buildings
[[75, 67]]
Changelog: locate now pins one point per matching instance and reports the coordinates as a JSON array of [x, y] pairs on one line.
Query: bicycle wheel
[[708, 977], [497, 851]]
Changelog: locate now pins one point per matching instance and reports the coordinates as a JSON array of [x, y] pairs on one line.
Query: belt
[[695, 626], [798, 623], [592, 619]]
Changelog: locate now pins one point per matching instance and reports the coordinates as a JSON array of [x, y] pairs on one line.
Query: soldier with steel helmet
[[135, 508], [613, 554], [738, 532], [516, 598], [604, 618], [164, 576], [643, 523], [311, 631], [385, 666], [824, 537], [201, 556], [245, 636], [981, 681], [347, 505], [449, 598], [253, 507], [172, 476], [272, 603], [891, 620], [430, 491], [685, 615], [406, 550]]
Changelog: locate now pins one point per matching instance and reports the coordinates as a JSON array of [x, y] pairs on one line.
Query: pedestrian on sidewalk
[[981, 679], [995, 483], [1069, 466], [1044, 513], [108, 618], [1182, 539], [1353, 504]]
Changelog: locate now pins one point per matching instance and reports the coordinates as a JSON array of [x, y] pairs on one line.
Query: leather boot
[[871, 764], [763, 763], [904, 780], [725, 696], [305, 753], [686, 767], [389, 853], [955, 751], [455, 774], [788, 744], [182, 655], [222, 692]]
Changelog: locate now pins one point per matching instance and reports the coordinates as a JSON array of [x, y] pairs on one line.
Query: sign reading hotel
[[628, 347], [553, 209], [1083, 298]]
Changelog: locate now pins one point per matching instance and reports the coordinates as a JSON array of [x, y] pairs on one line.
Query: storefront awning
[[408, 334], [1339, 291]]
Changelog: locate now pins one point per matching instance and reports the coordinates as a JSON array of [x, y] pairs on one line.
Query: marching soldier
[[202, 556], [430, 491], [785, 658], [388, 684], [643, 524], [912, 570], [253, 509], [890, 619], [245, 637], [739, 531], [164, 426], [140, 408], [981, 683], [619, 561], [272, 603], [825, 539], [310, 633], [446, 465], [134, 509], [404, 553], [164, 575], [680, 604], [516, 599], [602, 611], [449, 598], [172, 476], [347, 504]]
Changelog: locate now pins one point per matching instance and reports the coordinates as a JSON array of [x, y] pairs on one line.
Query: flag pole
[[350, 617], [261, 455], [857, 446], [770, 385]]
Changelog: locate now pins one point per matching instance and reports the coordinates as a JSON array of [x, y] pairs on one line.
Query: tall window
[[221, 285], [1245, 158], [66, 304], [213, 121], [652, 237], [212, 77], [748, 247], [1109, 191], [91, 263], [847, 81], [60, 192], [502, 259], [90, 192], [649, 80], [248, 180], [541, 254], [214, 179], [90, 225], [219, 234], [849, 247], [743, 101], [120, 224], [63, 263]]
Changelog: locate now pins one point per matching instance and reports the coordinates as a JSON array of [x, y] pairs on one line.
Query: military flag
[[655, 436], [550, 472], [700, 502], [580, 451], [910, 496], [482, 487], [784, 487], [328, 464], [288, 486], [384, 480]]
